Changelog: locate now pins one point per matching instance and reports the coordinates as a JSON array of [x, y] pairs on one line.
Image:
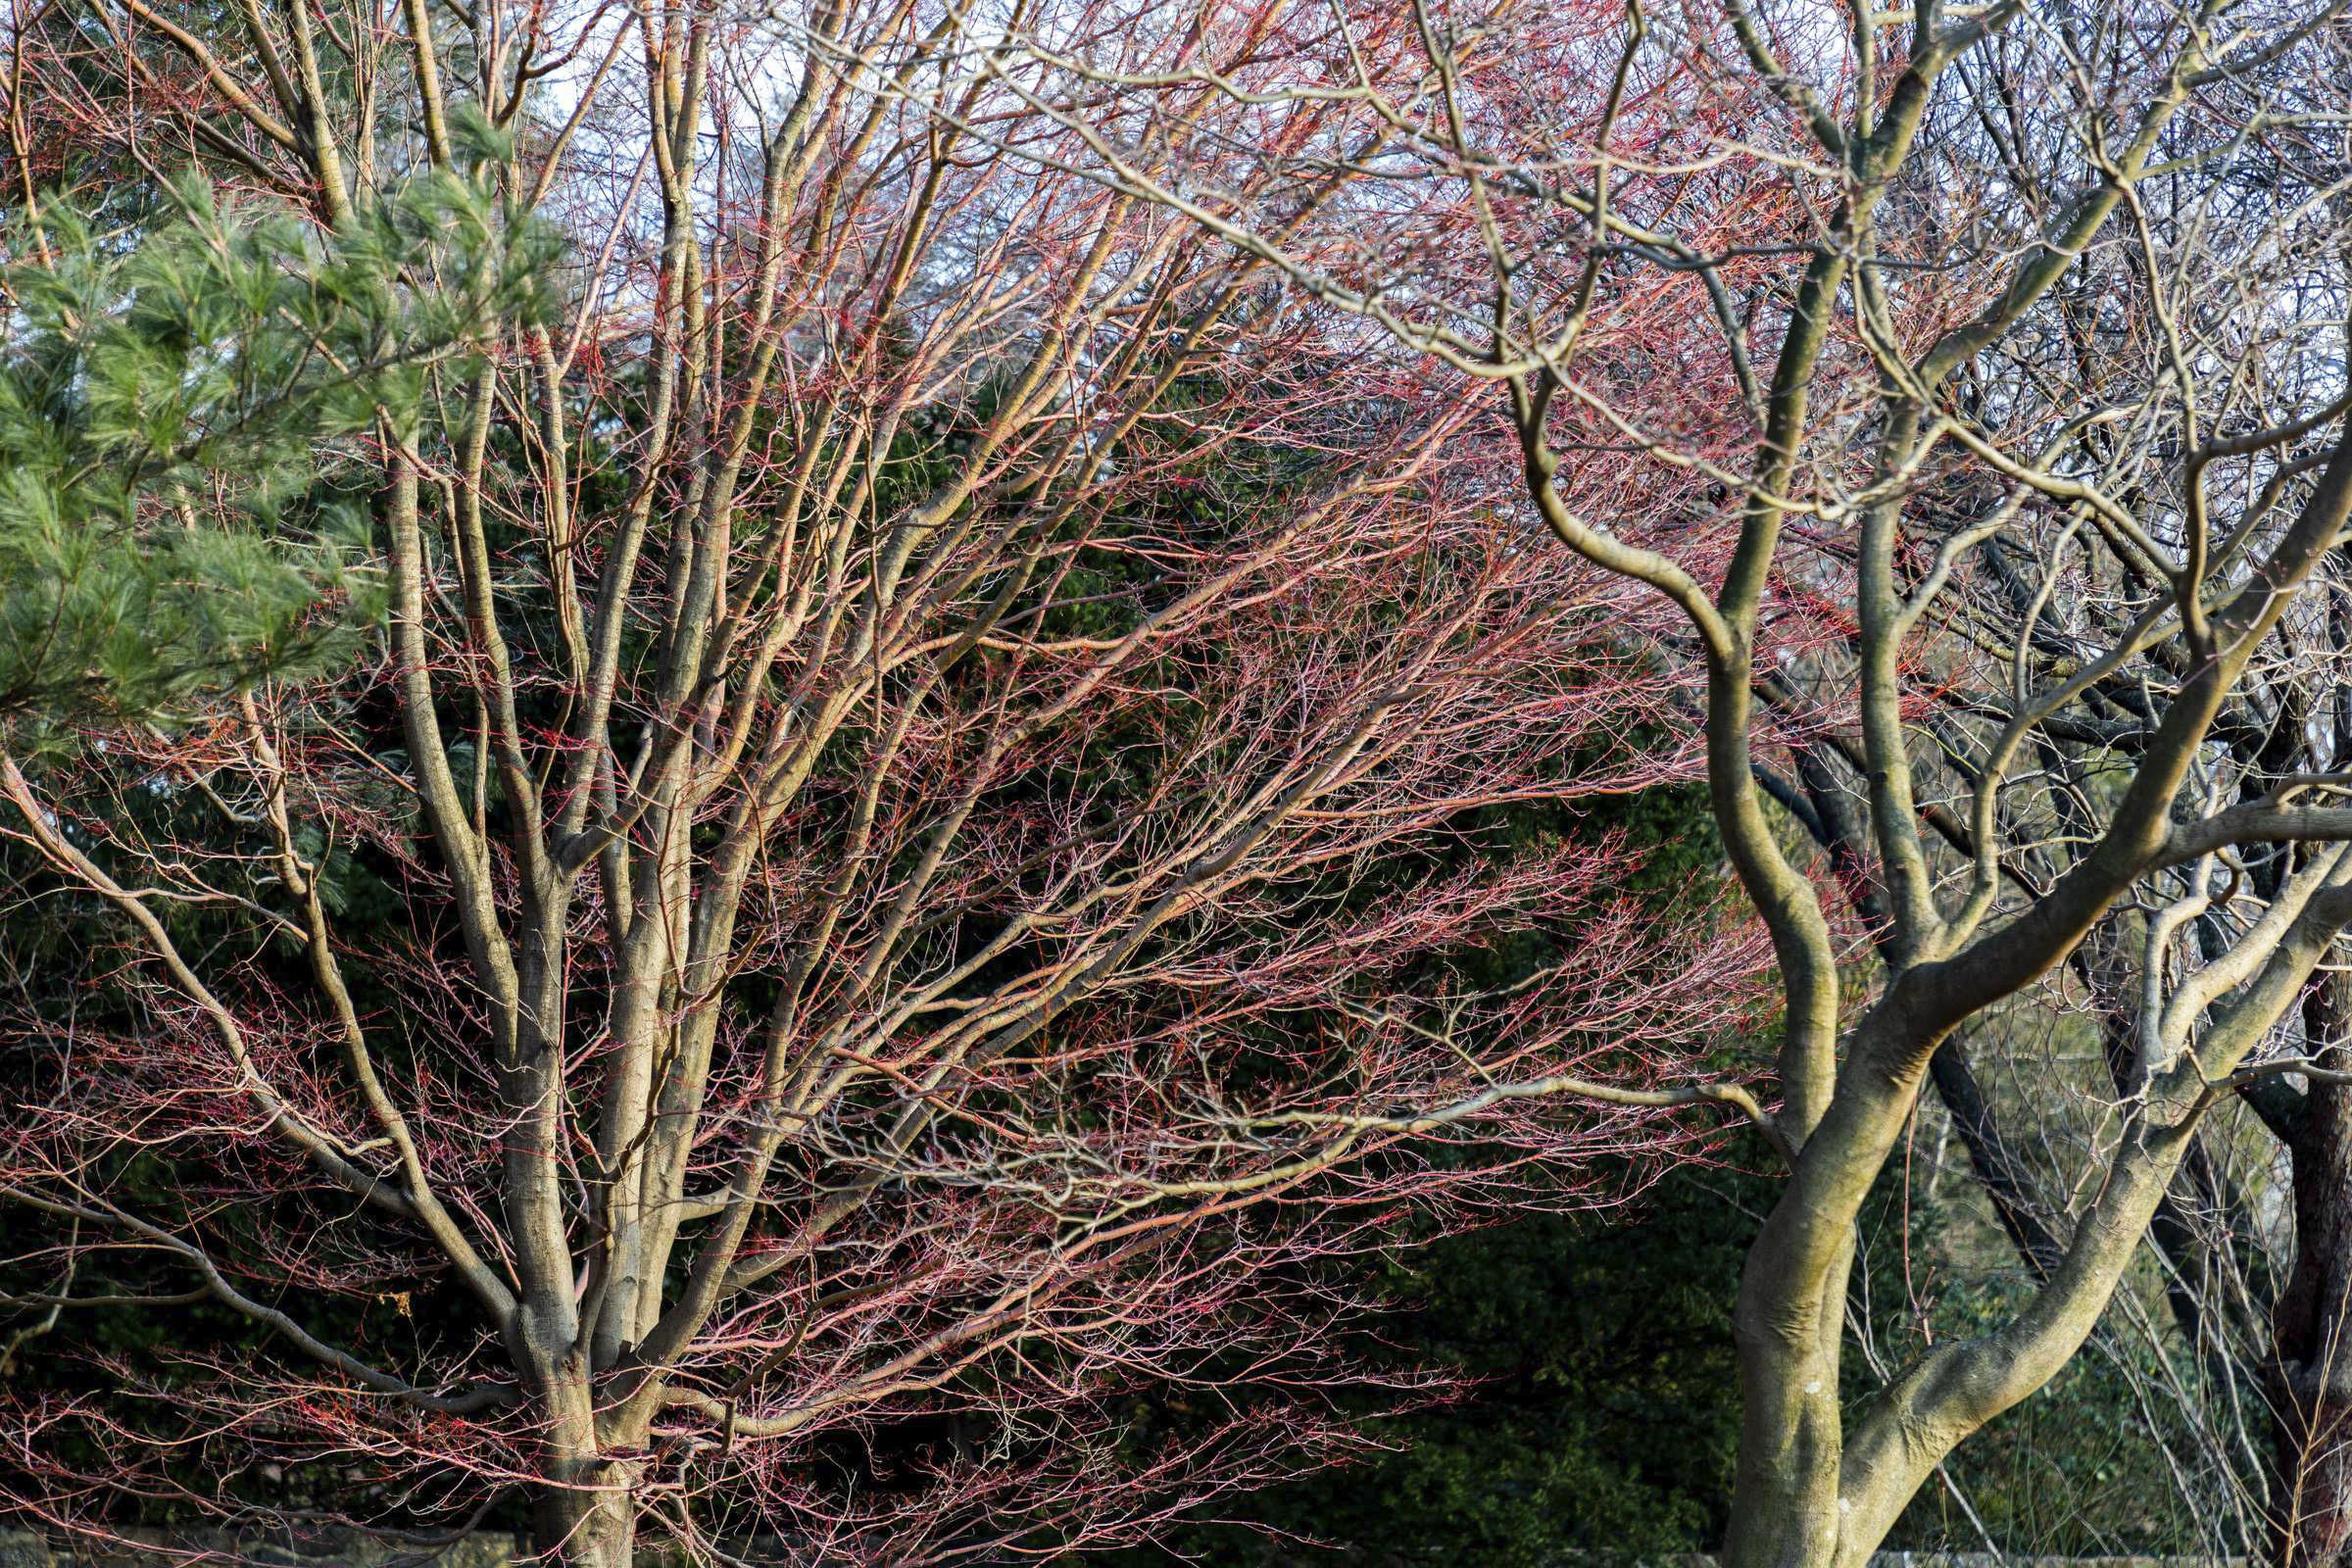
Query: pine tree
[[180, 413]]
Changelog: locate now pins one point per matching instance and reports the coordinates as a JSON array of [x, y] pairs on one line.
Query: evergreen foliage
[[175, 520]]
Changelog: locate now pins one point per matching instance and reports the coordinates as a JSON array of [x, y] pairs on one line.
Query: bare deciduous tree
[[2026, 377], [860, 921]]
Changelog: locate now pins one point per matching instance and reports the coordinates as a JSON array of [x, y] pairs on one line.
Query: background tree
[[195, 372]]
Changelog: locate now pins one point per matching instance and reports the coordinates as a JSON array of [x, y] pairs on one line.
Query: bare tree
[[910, 688], [2026, 383]]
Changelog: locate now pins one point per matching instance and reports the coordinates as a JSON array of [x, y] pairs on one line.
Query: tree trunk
[[2310, 1373], [1785, 1506], [587, 1517]]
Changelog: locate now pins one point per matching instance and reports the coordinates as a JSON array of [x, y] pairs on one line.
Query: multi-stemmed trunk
[[585, 1503], [1820, 1484]]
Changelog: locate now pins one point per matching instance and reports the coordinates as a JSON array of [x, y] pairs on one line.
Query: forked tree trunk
[[586, 1509]]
